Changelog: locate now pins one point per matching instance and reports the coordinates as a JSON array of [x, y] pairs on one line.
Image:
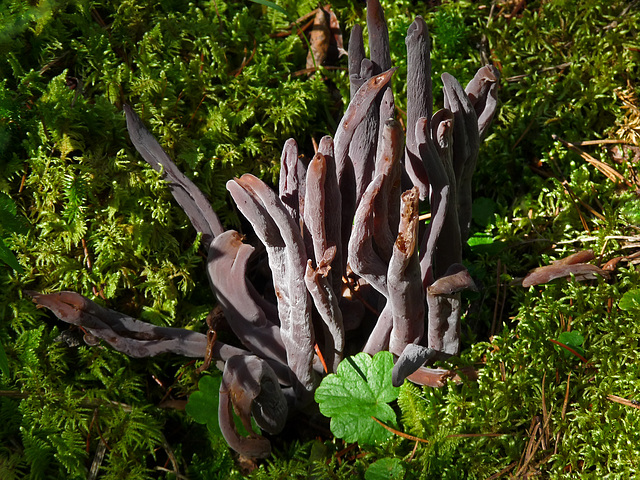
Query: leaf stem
[[569, 349], [399, 433]]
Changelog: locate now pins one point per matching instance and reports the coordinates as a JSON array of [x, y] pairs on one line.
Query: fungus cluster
[[352, 269]]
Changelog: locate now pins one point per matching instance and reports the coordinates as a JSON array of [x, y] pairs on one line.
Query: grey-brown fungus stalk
[[482, 91], [351, 267], [227, 269], [326, 303], [405, 284], [188, 196], [287, 260], [419, 99], [444, 302], [292, 180], [413, 357], [125, 334], [250, 387]]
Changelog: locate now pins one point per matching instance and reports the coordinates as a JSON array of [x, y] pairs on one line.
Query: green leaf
[[480, 239], [203, 407], [573, 340], [484, 243], [266, 3], [203, 404], [630, 301], [8, 257], [360, 389], [483, 211], [386, 469]]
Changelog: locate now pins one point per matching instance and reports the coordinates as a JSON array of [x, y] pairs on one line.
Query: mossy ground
[[81, 211]]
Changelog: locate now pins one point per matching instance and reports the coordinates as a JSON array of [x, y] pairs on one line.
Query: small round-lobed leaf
[[630, 301], [386, 469], [203, 404], [360, 389], [573, 340]]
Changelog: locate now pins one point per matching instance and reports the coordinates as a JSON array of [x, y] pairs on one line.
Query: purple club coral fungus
[[341, 224]]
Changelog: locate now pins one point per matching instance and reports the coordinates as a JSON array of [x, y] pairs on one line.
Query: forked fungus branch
[[351, 271]]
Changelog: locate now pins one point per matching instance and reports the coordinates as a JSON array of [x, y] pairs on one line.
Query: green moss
[[221, 95]]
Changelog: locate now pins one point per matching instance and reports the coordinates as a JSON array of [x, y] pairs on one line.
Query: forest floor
[[222, 86]]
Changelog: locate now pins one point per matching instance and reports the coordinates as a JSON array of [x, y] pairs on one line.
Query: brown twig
[[344, 451], [212, 336], [569, 349], [307, 17], [623, 401], [495, 307], [532, 448], [545, 414], [353, 289], [575, 201], [399, 433], [172, 458], [178, 475], [13, 394], [97, 460], [606, 141], [215, 6], [524, 133], [413, 452], [593, 212], [102, 440], [517, 78], [476, 435], [196, 110], [505, 470], [22, 181], [212, 320], [608, 171], [422, 440], [93, 420], [245, 60], [566, 398]]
